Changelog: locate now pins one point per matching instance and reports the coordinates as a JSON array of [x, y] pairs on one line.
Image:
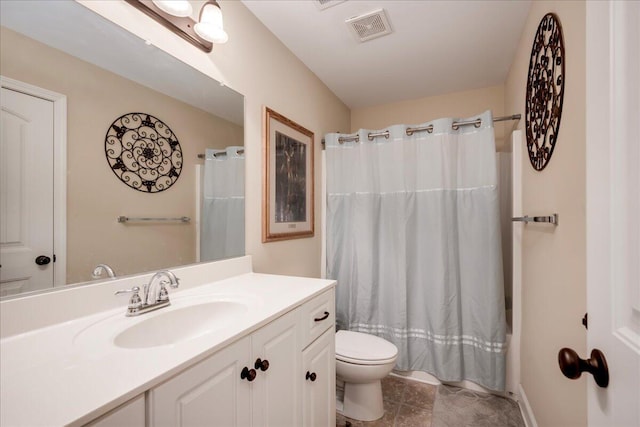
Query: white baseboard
[[525, 409]]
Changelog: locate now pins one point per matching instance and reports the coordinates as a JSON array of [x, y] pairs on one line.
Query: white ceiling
[[436, 47]]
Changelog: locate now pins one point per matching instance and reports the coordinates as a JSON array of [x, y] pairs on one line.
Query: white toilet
[[362, 360]]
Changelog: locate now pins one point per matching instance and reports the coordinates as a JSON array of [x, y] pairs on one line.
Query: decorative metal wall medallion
[[143, 152], [545, 91]]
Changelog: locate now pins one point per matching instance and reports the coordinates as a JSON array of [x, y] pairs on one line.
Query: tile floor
[[413, 404]]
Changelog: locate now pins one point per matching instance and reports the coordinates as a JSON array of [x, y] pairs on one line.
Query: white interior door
[[26, 193], [613, 207]]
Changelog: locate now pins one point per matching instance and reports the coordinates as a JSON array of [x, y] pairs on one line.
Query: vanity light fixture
[[180, 8], [176, 16], [210, 26]]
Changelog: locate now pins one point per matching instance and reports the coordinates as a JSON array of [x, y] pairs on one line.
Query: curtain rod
[[429, 128]]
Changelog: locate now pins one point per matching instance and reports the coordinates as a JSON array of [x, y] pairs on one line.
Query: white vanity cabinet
[[222, 320], [273, 390], [318, 361]]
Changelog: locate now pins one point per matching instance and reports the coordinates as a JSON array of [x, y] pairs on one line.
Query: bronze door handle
[[572, 366]]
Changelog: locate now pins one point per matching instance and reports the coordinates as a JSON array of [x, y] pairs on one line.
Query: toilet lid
[[356, 347]]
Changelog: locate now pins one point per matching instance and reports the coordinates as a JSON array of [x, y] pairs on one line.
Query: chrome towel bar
[[552, 219], [221, 154], [149, 219]]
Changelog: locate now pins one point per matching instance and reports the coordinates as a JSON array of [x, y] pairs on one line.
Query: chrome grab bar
[[551, 219]]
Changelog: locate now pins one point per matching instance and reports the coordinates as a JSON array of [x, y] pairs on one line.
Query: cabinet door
[[210, 393], [319, 386], [276, 391], [131, 414]]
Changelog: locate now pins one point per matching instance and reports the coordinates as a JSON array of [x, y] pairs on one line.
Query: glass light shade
[[210, 26], [181, 8]]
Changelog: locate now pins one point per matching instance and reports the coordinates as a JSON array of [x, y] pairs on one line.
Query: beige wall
[[95, 196], [554, 259], [415, 111], [255, 63], [268, 74]]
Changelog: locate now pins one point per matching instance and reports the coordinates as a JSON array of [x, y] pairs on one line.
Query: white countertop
[[69, 373]]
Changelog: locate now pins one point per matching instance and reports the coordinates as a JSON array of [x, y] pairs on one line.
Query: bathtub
[[511, 382]]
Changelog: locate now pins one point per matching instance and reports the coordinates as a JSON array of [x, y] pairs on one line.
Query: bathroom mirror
[[106, 72]]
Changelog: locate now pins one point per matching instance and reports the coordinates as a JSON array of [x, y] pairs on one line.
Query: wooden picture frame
[[287, 197]]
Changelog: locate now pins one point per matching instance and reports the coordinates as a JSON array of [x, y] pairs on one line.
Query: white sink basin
[[187, 319], [172, 326]]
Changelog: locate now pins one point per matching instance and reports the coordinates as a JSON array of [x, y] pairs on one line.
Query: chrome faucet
[[151, 300], [162, 294], [103, 268]]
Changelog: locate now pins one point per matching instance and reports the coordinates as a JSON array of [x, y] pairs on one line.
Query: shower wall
[[503, 166]]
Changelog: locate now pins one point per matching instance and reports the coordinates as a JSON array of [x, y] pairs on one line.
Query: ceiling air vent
[[370, 25], [326, 4]]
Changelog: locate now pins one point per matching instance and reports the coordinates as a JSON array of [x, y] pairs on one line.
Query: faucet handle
[[133, 291], [135, 302], [163, 295]]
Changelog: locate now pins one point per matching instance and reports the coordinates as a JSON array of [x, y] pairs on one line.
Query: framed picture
[[287, 198]]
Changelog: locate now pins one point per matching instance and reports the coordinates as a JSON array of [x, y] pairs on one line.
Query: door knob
[[311, 376], [43, 260], [572, 366]]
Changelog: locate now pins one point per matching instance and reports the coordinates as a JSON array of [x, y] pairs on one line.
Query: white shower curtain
[[222, 228], [413, 239]]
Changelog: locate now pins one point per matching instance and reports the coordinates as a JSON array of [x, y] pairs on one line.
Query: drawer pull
[[248, 374], [311, 376], [263, 365], [320, 319]]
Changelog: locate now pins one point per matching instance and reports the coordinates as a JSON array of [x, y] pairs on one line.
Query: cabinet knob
[[248, 374], [572, 366], [263, 365], [311, 376]]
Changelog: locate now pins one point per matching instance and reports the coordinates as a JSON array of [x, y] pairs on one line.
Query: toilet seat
[[364, 349], [363, 361]]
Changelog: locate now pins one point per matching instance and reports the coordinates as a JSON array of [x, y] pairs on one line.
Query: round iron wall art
[[545, 91], [143, 152]]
